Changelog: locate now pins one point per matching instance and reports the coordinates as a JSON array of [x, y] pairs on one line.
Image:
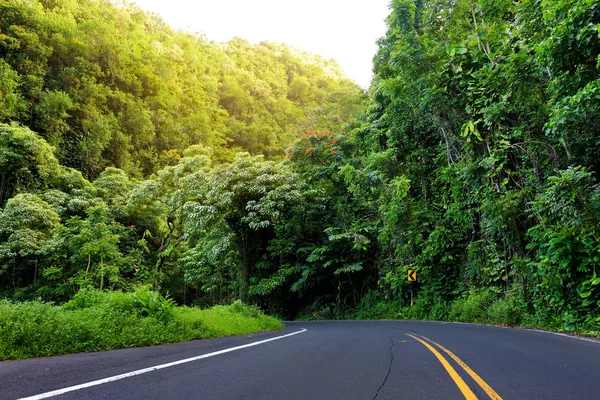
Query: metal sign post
[[412, 277]]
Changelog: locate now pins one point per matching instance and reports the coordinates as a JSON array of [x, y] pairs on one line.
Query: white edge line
[[571, 336], [155, 368]]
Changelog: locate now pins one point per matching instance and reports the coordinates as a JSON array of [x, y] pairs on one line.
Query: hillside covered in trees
[[135, 155], [113, 86]]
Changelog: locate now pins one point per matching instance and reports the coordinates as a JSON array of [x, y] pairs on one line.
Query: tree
[[27, 162], [26, 223], [235, 212]]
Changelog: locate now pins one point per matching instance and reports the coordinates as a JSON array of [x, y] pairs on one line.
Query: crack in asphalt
[[389, 369]]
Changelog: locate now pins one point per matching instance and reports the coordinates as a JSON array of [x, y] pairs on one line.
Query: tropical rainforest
[[133, 155]]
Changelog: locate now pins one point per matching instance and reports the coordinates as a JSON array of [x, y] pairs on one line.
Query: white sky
[[342, 29]]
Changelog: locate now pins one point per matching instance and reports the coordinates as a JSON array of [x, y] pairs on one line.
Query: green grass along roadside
[[98, 321], [482, 306]]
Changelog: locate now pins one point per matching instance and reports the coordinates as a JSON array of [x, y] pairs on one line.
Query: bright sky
[[342, 29]]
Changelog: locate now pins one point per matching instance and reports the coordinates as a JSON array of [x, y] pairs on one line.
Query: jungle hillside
[[135, 158]]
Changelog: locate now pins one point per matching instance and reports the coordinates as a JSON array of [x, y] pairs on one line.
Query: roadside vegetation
[[97, 321], [482, 307], [275, 181]]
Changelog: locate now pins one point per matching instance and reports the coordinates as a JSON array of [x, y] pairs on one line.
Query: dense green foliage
[[96, 321], [113, 86], [474, 163], [489, 110]]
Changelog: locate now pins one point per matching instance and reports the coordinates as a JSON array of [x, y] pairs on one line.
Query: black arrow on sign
[[412, 275]]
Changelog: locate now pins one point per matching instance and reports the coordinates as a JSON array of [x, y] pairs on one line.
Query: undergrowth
[[482, 306], [97, 321]]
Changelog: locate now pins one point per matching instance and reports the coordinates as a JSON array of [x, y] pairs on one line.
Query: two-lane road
[[329, 360]]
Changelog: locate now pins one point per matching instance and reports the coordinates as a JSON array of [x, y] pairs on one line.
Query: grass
[[97, 321], [478, 306]]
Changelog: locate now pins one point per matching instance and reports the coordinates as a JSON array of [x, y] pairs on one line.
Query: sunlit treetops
[[109, 85]]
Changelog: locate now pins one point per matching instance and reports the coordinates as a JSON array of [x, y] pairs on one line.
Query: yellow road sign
[[412, 275]]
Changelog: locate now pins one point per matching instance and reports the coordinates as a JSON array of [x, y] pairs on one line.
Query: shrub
[[419, 311], [374, 306], [507, 310], [238, 307], [95, 321], [472, 308], [439, 311], [143, 302], [148, 302], [91, 298], [380, 310]]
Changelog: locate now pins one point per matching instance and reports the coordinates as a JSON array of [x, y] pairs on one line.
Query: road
[[329, 360]]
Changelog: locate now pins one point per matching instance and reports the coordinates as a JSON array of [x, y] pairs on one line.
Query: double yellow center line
[[464, 388]]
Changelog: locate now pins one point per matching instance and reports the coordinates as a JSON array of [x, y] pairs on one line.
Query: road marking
[[155, 368], [571, 336], [490, 392], [466, 391], [593, 339]]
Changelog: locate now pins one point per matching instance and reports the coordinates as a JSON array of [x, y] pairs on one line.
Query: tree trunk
[[35, 272], [101, 274], [244, 275], [244, 269]]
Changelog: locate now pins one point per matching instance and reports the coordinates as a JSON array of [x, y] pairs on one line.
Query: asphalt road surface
[[327, 360]]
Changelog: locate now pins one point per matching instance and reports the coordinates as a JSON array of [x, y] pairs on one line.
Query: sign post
[[412, 277]]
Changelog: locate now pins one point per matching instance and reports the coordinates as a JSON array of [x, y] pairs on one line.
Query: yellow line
[[493, 395], [466, 391]]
